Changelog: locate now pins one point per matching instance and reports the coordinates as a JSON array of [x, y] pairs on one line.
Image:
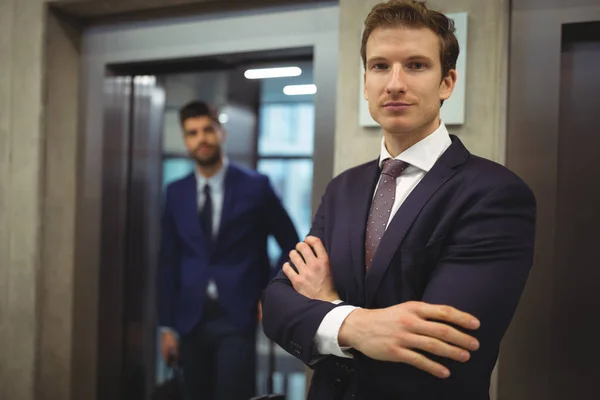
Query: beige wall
[[59, 174], [38, 153], [484, 129], [21, 146]]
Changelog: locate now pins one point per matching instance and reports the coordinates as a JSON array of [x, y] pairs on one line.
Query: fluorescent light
[[263, 73], [145, 80], [223, 118], [295, 90]]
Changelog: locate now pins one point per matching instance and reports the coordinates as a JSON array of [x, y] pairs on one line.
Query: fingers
[[447, 314], [297, 259], [169, 350], [317, 246], [289, 272], [174, 353], [420, 361], [259, 312], [446, 333], [437, 347], [306, 251]]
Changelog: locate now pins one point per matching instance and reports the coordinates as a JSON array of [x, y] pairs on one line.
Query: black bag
[[171, 389]]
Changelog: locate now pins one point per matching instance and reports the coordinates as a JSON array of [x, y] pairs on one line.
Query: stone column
[[39, 101], [21, 151]]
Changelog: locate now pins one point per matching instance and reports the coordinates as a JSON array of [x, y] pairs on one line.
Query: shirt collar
[[216, 181], [424, 153]]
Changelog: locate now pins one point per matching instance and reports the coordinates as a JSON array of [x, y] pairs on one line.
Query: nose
[[397, 80], [202, 136]]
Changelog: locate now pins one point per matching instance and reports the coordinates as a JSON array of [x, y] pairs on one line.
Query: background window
[[285, 149]]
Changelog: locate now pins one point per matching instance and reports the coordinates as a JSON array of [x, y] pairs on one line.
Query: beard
[[208, 160]]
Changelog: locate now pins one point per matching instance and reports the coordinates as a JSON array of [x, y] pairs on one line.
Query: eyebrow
[[376, 59], [419, 58], [411, 58]]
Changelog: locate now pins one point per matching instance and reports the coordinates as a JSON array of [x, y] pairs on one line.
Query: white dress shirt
[[421, 157], [217, 192]]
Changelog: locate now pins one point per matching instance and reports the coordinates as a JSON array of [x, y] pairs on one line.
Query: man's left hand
[[313, 278], [259, 314]]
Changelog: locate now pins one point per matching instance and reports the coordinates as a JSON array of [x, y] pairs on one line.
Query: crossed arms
[[455, 315]]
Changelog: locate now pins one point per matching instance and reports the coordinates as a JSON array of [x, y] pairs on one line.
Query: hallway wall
[[38, 167], [21, 149]]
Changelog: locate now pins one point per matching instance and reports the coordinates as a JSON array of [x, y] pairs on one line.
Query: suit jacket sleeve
[[289, 318], [168, 268], [280, 226], [484, 267]]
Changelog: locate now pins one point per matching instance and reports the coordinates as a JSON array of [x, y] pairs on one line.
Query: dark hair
[[414, 14], [196, 109]]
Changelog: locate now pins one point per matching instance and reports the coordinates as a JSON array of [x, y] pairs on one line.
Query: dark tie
[[381, 207], [206, 214]]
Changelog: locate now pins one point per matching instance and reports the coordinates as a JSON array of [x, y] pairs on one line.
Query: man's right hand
[[391, 334], [169, 346]]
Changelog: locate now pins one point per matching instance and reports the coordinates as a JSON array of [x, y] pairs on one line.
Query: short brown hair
[[414, 14], [196, 109]]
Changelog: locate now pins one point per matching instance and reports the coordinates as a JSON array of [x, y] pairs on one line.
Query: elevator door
[[577, 273], [553, 118], [131, 197]]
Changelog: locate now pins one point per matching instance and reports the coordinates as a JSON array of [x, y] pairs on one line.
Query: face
[[403, 80], [203, 138]]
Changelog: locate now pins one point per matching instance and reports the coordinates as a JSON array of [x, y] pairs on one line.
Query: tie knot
[[207, 189], [393, 167]]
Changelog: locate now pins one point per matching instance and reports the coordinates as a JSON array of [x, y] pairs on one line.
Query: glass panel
[[286, 129], [176, 168], [292, 181]]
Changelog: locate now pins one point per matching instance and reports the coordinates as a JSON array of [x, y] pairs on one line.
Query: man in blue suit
[[416, 261], [214, 263]]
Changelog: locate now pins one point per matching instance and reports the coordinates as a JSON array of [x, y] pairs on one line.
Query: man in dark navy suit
[[416, 261], [214, 263]]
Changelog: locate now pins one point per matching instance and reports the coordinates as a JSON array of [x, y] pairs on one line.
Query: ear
[[222, 134], [365, 95], [448, 84]]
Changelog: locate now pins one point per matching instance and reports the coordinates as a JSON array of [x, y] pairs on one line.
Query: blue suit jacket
[[464, 237], [237, 261]]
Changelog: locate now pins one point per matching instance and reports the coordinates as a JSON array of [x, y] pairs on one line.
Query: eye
[[380, 66], [417, 66]]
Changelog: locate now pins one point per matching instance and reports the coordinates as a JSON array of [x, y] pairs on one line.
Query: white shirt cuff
[[326, 338]]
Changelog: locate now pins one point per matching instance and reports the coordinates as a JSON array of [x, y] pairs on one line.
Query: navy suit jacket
[[464, 237], [237, 260]]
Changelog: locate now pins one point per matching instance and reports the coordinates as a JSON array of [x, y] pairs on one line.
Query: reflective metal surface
[[130, 234]]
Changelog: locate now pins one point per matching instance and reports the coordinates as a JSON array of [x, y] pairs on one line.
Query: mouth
[[396, 106], [204, 149]]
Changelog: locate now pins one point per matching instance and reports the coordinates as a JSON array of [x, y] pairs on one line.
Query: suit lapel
[[359, 211], [442, 170]]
